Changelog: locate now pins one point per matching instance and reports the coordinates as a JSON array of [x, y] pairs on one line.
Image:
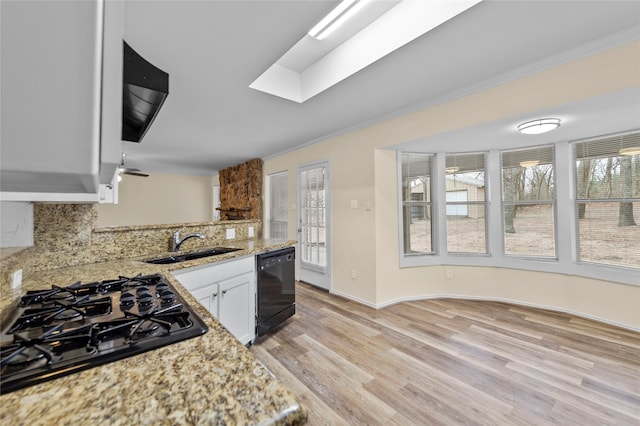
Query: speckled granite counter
[[211, 379]]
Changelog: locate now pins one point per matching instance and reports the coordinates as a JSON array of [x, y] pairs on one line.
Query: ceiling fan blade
[[130, 170], [134, 173]]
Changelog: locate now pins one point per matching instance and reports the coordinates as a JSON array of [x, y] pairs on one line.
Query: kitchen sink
[[176, 258]]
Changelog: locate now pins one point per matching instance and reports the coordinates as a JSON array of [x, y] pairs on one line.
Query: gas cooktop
[[64, 330]]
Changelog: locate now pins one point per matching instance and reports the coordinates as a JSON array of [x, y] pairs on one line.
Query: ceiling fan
[[123, 170]]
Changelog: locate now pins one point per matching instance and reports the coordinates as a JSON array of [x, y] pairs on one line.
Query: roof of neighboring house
[[467, 180]]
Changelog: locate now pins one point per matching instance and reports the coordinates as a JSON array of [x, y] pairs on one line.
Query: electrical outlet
[[250, 231], [354, 274], [449, 274], [231, 233], [17, 279]]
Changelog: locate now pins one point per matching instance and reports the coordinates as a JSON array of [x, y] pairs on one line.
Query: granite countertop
[[211, 379]]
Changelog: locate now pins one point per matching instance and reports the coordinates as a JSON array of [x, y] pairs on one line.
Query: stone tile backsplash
[[125, 242], [65, 235]]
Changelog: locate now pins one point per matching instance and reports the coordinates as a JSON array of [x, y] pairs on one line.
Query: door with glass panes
[[313, 225]]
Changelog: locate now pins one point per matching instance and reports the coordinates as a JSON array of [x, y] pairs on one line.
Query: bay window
[[568, 207]]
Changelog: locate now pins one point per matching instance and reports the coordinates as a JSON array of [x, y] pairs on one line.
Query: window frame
[[483, 203], [597, 200], [410, 203], [269, 203], [515, 203]]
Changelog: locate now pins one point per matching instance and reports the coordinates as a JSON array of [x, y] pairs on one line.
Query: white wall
[[159, 199], [367, 240]]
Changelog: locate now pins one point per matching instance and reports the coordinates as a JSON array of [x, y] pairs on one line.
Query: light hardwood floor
[[450, 362]]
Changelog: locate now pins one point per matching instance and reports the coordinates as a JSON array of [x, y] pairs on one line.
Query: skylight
[[368, 31]]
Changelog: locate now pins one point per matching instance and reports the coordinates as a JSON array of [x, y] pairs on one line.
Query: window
[[528, 202], [465, 199], [416, 203], [278, 202], [607, 172]]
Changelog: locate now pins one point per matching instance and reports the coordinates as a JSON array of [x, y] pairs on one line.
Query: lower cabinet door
[[227, 290], [208, 296], [237, 306]]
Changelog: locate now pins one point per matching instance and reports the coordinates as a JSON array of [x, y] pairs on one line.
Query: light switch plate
[[250, 231], [231, 233]]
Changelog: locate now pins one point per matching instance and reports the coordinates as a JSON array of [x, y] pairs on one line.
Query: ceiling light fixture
[[536, 127], [450, 170], [530, 163], [336, 17], [634, 150]]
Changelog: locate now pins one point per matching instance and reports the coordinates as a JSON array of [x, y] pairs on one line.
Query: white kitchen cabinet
[[61, 99], [227, 290], [208, 297]]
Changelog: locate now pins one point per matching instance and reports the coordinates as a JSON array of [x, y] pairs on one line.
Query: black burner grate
[[67, 329]]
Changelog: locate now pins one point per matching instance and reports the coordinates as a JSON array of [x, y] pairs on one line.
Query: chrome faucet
[[176, 242]]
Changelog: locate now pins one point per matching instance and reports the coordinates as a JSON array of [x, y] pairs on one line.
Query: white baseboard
[[488, 299], [355, 299]]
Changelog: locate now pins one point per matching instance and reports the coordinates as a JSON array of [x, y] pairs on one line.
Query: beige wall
[[159, 199], [367, 240], [351, 177]]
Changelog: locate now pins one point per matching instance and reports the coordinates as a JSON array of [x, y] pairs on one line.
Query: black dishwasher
[[276, 289]]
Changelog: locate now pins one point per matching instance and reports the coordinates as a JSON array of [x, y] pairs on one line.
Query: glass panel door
[[313, 228]]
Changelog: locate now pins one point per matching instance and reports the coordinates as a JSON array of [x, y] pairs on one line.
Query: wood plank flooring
[[451, 362]]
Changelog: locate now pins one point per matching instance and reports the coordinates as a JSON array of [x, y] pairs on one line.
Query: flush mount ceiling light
[[530, 163], [537, 127], [450, 170], [335, 18], [634, 150]]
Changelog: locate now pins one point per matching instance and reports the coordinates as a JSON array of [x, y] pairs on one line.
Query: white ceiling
[[213, 50]]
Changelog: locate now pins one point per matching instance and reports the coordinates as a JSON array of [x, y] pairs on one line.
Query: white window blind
[[607, 185]]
